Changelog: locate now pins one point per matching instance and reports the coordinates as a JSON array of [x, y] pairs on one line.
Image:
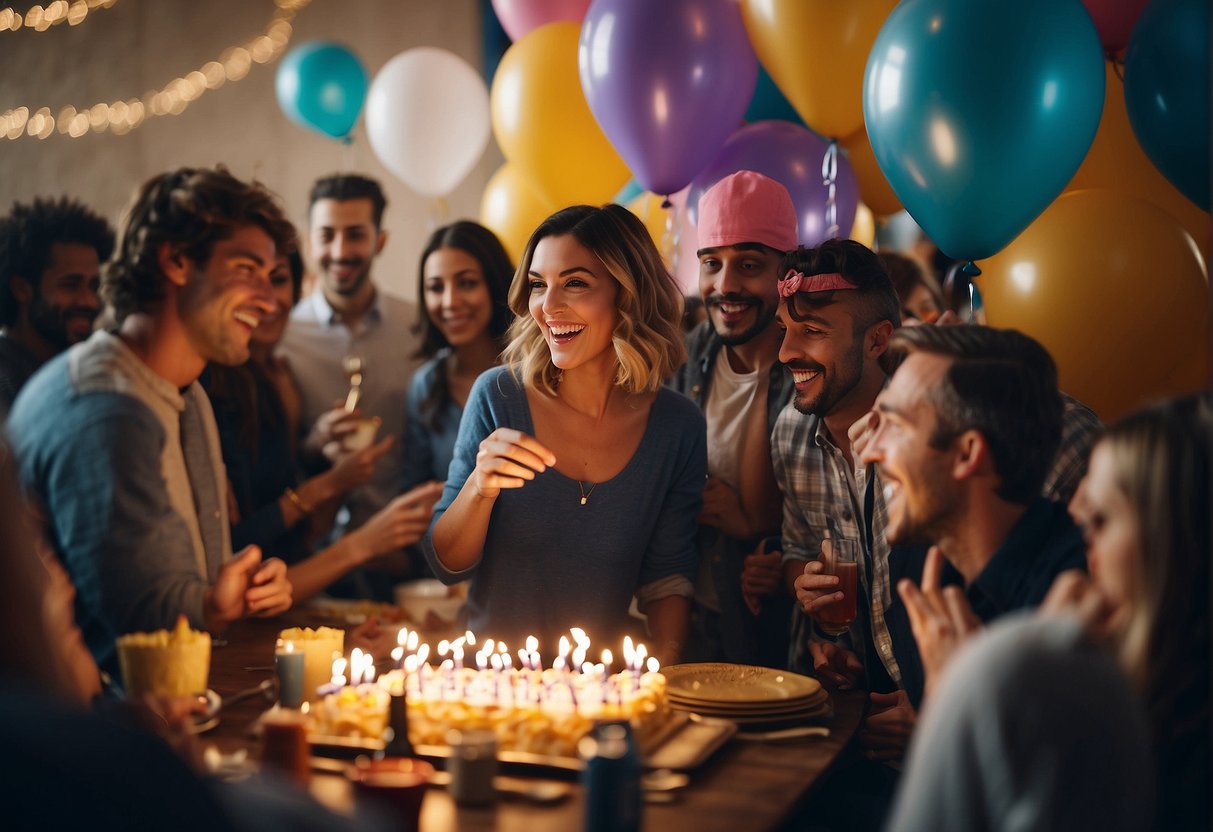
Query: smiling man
[[348, 316], [747, 222], [50, 265], [115, 439]]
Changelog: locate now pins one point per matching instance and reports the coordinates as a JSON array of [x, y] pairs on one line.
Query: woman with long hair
[[1053, 720], [463, 286], [577, 478]]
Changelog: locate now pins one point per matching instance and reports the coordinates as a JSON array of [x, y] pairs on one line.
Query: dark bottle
[[399, 744], [611, 779]]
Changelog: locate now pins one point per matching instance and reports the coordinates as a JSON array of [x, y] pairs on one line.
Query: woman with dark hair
[[463, 286], [577, 480], [257, 411]]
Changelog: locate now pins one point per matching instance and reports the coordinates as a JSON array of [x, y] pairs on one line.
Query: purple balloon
[[792, 156], [668, 82]]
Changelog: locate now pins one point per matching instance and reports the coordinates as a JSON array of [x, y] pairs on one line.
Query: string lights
[[120, 117], [41, 18]]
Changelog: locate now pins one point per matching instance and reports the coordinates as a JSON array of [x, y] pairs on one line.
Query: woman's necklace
[[585, 495]]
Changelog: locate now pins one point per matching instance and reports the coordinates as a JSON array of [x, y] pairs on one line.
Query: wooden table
[[746, 785]]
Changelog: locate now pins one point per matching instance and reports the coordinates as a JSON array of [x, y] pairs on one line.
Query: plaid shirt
[[822, 492], [1080, 427]]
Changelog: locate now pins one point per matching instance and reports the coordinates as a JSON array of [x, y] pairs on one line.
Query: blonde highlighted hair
[[648, 337], [1161, 456]]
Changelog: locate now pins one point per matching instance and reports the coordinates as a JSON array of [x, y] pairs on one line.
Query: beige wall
[[138, 45]]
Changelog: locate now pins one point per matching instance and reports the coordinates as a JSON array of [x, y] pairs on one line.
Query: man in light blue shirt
[[348, 316]]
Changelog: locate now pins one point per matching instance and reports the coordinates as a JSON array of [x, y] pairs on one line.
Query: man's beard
[[355, 284], [762, 319], [834, 388], [51, 322]]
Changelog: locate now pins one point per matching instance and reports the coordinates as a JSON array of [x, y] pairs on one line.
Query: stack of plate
[[746, 694]]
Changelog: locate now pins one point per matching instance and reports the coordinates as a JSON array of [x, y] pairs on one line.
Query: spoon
[[267, 689]]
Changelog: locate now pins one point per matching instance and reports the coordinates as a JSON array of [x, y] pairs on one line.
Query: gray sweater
[[129, 473], [550, 563]]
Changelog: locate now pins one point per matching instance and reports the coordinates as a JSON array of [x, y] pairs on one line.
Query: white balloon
[[427, 115]]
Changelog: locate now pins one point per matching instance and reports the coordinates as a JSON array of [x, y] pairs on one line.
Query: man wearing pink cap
[[746, 223]]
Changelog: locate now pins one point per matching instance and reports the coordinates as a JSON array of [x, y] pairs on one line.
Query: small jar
[[472, 765]]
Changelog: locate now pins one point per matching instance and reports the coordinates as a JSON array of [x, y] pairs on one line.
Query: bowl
[[429, 597], [398, 782]]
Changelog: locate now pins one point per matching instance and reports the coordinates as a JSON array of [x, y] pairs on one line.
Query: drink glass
[[285, 747], [840, 557]]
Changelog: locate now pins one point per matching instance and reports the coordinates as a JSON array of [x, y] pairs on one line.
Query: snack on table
[[319, 646], [169, 663]]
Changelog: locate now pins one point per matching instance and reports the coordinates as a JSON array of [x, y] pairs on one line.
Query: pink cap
[[747, 207]]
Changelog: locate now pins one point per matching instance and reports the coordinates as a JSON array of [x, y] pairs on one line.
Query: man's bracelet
[[297, 501]]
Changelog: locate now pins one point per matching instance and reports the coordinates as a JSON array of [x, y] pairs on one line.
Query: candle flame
[[410, 664], [469, 637], [607, 658], [413, 639], [402, 635], [397, 654], [654, 665], [444, 647], [564, 646], [579, 635], [532, 644], [422, 654]]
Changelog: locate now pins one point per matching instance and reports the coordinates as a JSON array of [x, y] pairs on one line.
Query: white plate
[[207, 720]]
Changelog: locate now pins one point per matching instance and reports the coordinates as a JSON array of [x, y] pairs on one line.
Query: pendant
[[583, 499]]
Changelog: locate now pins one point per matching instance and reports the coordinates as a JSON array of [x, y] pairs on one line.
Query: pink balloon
[[521, 16], [1114, 19]]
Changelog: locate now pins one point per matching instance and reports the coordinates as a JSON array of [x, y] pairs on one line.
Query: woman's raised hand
[[508, 459]]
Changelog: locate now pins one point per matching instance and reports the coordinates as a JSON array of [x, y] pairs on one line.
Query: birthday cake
[[540, 711], [169, 663]]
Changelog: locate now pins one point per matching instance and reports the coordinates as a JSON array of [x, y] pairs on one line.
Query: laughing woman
[[577, 478]]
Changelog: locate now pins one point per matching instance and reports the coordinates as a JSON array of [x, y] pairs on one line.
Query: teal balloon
[[322, 86], [628, 192], [979, 113], [769, 103], [1167, 92]]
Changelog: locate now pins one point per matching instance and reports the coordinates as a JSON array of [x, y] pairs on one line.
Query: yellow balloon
[[863, 229], [815, 51], [1114, 288], [544, 125], [1116, 161], [874, 189], [511, 209]]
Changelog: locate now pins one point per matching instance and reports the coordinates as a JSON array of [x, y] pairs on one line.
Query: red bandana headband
[[795, 281]]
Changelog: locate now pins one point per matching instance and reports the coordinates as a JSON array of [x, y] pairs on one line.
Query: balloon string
[[829, 178], [1118, 66], [438, 213], [670, 242]]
